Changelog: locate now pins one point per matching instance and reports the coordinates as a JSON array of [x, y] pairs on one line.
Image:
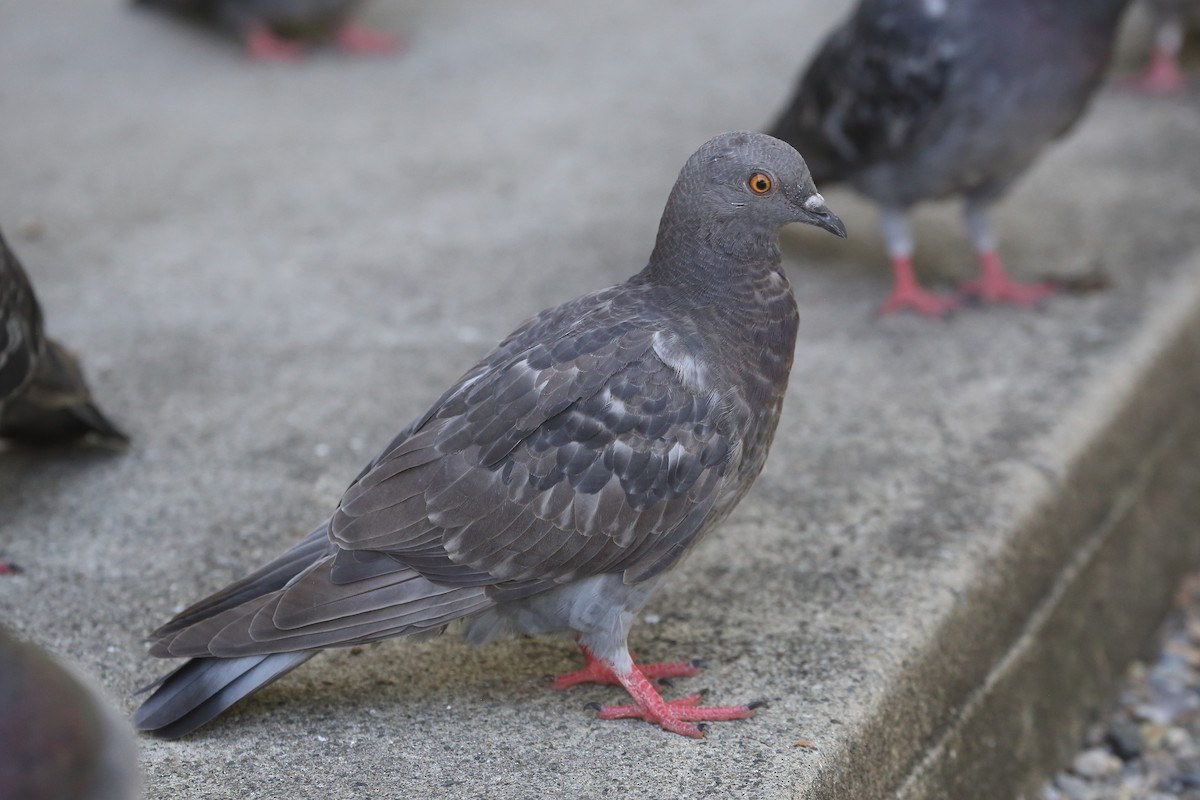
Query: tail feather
[[56, 405], [272, 577], [202, 688]]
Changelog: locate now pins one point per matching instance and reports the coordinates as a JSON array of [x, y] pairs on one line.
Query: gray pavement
[[269, 271]]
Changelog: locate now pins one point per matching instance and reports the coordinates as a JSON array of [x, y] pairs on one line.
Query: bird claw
[[265, 47], [356, 38], [595, 671], [679, 716], [1162, 76], [1024, 295], [916, 299]]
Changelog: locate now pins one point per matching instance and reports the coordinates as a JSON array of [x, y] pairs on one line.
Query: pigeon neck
[[710, 255]]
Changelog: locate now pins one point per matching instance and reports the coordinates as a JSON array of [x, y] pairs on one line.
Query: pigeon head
[[735, 193]]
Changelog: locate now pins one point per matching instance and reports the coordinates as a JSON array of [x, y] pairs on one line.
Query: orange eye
[[760, 183]]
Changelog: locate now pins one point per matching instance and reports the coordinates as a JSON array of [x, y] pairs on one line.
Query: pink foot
[[677, 716], [994, 285], [355, 38], [264, 46], [9, 568], [1161, 76], [908, 294], [596, 671]]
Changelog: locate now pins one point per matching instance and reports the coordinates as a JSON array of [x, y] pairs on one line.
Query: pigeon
[[913, 100], [1171, 19], [554, 485], [59, 740], [273, 30], [43, 396]]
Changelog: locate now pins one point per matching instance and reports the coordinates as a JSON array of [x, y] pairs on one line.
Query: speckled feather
[[911, 100]]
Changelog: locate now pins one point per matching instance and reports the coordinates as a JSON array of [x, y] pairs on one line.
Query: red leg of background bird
[[1161, 76], [8, 568], [596, 671], [263, 45], [994, 285], [676, 716], [907, 293], [356, 38]]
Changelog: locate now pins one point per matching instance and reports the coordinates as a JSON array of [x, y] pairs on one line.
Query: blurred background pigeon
[[913, 100], [555, 484], [43, 396], [59, 740], [1172, 18], [276, 30]]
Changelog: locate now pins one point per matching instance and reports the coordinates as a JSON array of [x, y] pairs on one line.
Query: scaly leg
[[906, 290], [993, 284], [264, 46], [1162, 75], [677, 716], [596, 671], [354, 37]]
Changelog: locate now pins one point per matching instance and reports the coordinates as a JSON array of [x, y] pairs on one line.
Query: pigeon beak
[[815, 212]]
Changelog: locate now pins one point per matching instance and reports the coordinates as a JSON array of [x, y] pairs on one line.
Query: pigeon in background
[[1171, 20], [274, 30], [59, 740], [43, 397], [550, 489], [913, 100]]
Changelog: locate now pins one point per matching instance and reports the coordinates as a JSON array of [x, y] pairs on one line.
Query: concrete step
[[964, 531]]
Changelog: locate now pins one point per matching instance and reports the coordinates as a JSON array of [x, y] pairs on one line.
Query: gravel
[[1148, 748]]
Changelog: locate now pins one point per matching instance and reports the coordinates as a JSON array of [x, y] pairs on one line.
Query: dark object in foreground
[[58, 739], [43, 396], [914, 100], [552, 488], [275, 30]]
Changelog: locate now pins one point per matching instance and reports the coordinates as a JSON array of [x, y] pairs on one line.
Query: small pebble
[[1125, 740], [1149, 749], [1096, 763]]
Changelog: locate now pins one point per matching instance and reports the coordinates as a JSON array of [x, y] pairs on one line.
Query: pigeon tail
[[57, 406], [202, 688], [272, 577]]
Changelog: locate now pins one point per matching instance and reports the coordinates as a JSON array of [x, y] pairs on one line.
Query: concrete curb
[[1094, 569]]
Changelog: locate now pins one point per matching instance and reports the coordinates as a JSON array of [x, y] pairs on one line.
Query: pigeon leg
[[993, 284], [354, 37], [1162, 75], [596, 671], [9, 568], [906, 291], [263, 45], [677, 716]]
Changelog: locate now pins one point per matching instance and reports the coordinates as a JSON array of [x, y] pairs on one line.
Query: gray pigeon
[[43, 397], [273, 30], [913, 100], [1172, 18], [58, 739], [550, 490]]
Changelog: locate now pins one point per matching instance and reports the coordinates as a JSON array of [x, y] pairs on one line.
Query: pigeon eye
[[760, 183]]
